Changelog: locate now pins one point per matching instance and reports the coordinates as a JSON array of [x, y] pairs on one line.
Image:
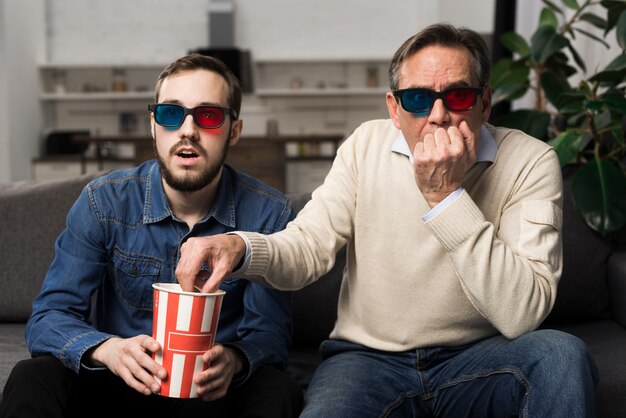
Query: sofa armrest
[[616, 275]]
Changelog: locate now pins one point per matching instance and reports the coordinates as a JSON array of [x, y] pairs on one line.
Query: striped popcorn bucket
[[184, 324]]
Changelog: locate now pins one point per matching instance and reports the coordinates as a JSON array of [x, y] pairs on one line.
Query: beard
[[191, 181]]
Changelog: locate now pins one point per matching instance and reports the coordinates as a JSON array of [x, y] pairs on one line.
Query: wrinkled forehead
[[437, 67]]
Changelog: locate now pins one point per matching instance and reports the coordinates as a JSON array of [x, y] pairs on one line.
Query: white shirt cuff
[[433, 212], [248, 256]]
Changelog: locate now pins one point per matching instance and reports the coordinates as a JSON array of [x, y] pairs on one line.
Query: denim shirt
[[121, 237]]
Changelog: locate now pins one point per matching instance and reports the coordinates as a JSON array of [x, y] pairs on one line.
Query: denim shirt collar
[[487, 147], [156, 207]]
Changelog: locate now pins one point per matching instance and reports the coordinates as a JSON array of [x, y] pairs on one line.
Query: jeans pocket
[[133, 275]]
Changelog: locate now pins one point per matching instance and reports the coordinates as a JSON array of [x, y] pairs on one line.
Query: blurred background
[[76, 76]]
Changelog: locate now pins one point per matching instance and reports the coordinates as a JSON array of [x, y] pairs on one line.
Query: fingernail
[[162, 374], [155, 388]]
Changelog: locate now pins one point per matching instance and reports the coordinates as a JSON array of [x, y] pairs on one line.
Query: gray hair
[[448, 36]]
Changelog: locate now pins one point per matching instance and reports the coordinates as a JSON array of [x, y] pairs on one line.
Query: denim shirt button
[[134, 271]]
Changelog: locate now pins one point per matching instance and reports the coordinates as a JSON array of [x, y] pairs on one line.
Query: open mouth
[[187, 154]]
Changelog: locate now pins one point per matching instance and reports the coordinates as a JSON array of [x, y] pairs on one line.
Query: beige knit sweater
[[489, 263]]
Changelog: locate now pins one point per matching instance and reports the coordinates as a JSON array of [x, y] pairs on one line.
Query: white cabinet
[[306, 78], [104, 99]]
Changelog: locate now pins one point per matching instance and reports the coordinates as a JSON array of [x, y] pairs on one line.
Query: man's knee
[[39, 369], [44, 379], [563, 351]]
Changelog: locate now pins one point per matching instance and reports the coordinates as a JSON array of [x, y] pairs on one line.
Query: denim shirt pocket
[[133, 275]]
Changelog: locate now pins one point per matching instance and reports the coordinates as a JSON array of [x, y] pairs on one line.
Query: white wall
[[21, 41], [158, 31], [5, 167], [280, 29], [124, 31]]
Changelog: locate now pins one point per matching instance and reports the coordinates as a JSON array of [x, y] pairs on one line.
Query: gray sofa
[[591, 302]]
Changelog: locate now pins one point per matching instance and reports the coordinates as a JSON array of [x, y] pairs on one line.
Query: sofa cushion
[[606, 340], [617, 284], [582, 293], [315, 306], [34, 214]]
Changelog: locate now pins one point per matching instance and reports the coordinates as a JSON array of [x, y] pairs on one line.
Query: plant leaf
[[620, 30], [594, 37], [611, 77], [545, 42], [572, 4], [599, 192], [618, 134], [602, 119], [508, 93], [568, 144], [615, 9], [554, 85], [553, 6], [515, 43], [594, 19], [509, 75], [619, 63], [548, 18], [533, 122], [615, 103], [577, 58]]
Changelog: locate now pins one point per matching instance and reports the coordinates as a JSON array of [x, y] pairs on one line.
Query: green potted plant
[[585, 122]]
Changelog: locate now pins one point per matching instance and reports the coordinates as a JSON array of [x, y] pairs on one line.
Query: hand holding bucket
[[184, 324]]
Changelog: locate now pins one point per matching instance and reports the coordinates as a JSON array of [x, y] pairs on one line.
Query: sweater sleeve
[[510, 274], [306, 249]]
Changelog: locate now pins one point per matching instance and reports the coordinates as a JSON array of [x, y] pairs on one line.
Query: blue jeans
[[541, 374]]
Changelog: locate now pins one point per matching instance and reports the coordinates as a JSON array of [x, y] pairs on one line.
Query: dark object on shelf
[[62, 142], [237, 60]]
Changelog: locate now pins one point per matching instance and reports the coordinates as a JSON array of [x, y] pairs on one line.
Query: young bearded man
[[123, 234]]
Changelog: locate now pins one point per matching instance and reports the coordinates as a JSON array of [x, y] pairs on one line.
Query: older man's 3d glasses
[[421, 100]]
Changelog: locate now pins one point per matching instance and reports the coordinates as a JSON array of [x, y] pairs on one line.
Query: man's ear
[[152, 127], [393, 109], [235, 131]]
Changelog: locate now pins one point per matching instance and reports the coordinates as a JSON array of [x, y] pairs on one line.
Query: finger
[[213, 353], [141, 363], [142, 379], [219, 274], [212, 392], [425, 149], [457, 142], [442, 138], [188, 266], [147, 362], [468, 138], [129, 378], [465, 130]]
